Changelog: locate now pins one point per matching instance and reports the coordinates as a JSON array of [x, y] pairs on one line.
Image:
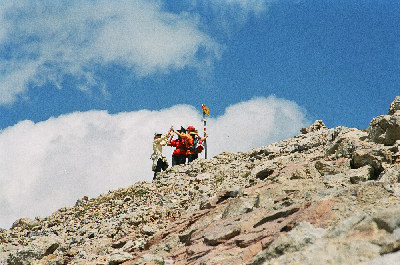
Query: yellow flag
[[206, 110]]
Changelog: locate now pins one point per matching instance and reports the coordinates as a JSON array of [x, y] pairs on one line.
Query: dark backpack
[[193, 148], [196, 147]]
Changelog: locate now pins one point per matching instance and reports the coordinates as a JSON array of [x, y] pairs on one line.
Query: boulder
[[391, 175], [37, 249], [25, 223], [348, 225], [239, 206], [263, 170], [147, 230], [345, 141], [328, 252], [388, 219], [221, 233], [394, 106], [361, 174], [385, 129], [230, 192], [374, 157], [326, 167], [119, 257], [317, 125], [392, 258], [302, 235]]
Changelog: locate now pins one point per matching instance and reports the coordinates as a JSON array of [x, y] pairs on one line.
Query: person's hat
[[182, 130], [190, 128], [157, 134]]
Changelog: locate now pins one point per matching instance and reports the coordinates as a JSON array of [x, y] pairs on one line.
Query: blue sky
[[337, 59], [85, 84]]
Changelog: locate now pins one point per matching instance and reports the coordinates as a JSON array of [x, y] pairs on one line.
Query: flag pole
[[205, 132], [206, 111]]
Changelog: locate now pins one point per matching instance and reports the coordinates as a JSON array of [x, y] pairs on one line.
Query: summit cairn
[[327, 196]]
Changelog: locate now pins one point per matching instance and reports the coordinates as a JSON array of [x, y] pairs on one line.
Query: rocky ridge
[[326, 196]]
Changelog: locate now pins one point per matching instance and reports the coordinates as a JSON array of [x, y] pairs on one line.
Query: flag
[[206, 110]]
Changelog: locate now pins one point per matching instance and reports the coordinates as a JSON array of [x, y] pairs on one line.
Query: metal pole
[[205, 131]]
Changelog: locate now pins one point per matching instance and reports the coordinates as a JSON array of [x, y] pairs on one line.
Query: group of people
[[188, 145]]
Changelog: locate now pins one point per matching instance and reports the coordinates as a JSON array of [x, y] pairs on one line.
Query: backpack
[[193, 148], [196, 147]]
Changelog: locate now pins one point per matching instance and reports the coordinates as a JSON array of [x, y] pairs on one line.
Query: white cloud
[[229, 13], [246, 6], [47, 40], [51, 164], [254, 123]]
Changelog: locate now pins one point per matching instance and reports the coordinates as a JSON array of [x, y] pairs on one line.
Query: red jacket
[[180, 149]]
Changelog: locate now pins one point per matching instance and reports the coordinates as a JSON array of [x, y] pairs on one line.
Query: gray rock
[[361, 174], [25, 223], [348, 225], [147, 230], [264, 170], [394, 106], [373, 157], [119, 257], [388, 259], [302, 235], [345, 141], [230, 192], [317, 125], [326, 167], [152, 259], [239, 206], [220, 234], [327, 252], [391, 175], [388, 219], [127, 198], [37, 249], [385, 129], [264, 200]]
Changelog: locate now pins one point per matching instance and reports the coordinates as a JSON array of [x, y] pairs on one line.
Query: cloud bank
[[44, 42], [50, 164]]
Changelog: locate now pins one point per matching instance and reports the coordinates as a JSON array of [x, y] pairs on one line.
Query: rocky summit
[[326, 196]]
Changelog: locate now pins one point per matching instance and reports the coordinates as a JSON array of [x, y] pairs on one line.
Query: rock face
[[317, 125], [327, 196], [394, 106], [385, 129]]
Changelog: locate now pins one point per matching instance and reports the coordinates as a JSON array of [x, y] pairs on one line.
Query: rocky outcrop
[[327, 196], [385, 129], [394, 106], [317, 125]]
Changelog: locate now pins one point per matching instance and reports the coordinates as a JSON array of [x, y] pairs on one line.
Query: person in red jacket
[[187, 139], [179, 154]]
